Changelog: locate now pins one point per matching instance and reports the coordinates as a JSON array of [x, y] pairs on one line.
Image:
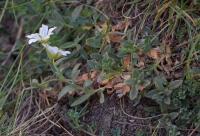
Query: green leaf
[[56, 19], [75, 72], [65, 90], [167, 92], [87, 83], [147, 44], [86, 96], [167, 100], [134, 93], [76, 12], [94, 42], [174, 115], [92, 64], [154, 95], [175, 84], [81, 99], [128, 47], [159, 82], [3, 99], [69, 45], [2, 102]]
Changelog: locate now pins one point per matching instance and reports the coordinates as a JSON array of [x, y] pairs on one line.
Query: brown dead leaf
[[119, 85], [117, 79], [93, 74], [126, 89], [82, 78], [126, 76], [154, 53], [120, 26], [109, 85], [141, 88], [102, 27], [85, 76], [109, 92], [127, 62], [141, 64], [104, 82], [122, 89], [115, 37]]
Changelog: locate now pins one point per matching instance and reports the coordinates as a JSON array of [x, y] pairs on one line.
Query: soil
[[111, 119], [115, 117]]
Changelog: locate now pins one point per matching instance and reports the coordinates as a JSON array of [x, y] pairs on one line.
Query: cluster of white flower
[[43, 37]]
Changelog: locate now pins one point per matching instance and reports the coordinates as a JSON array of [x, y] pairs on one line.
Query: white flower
[[55, 53], [43, 35]]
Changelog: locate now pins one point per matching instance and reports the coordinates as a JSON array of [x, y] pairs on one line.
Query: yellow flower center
[[44, 42]]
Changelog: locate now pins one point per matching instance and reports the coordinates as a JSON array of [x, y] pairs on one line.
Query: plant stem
[[58, 73]]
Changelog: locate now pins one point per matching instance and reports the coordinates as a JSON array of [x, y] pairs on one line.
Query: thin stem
[[58, 73], [4, 9]]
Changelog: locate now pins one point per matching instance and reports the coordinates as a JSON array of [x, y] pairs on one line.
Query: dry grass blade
[[32, 121], [19, 33]]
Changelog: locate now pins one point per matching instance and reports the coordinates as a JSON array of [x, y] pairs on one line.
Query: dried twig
[[194, 130], [140, 118]]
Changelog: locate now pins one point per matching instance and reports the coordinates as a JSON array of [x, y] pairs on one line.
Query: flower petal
[[32, 41], [50, 32], [55, 53], [52, 50], [64, 53], [43, 32], [33, 38]]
